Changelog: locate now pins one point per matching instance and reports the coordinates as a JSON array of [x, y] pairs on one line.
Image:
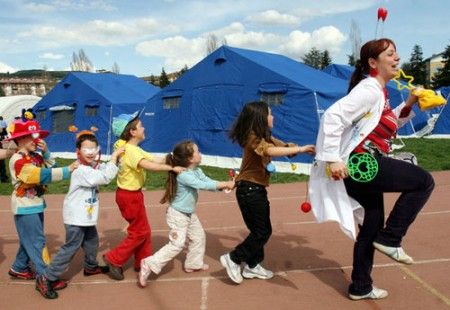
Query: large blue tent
[[203, 103], [395, 97], [87, 99]]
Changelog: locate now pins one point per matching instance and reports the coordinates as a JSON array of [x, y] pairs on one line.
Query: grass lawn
[[432, 155]]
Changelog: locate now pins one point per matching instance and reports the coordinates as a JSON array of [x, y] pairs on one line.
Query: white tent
[[11, 106]]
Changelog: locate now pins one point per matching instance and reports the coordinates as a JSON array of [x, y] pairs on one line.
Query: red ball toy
[[305, 207]]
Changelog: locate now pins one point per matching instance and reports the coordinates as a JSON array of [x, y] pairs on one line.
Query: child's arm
[[277, 151], [102, 176], [5, 153], [30, 174], [279, 148], [148, 164], [202, 182]]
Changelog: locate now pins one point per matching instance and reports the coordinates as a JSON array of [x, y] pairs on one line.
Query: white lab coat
[[342, 128]]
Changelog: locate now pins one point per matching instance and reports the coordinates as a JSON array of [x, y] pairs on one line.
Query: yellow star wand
[[428, 99]]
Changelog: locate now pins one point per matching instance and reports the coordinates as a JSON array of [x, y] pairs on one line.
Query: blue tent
[[203, 103], [442, 114], [395, 97], [89, 99]]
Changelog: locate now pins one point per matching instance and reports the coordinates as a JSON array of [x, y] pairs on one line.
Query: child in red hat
[[31, 167]]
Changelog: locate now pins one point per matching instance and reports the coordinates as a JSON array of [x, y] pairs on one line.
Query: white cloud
[[33, 7], [273, 17], [179, 50], [98, 33], [82, 5], [51, 56], [5, 68]]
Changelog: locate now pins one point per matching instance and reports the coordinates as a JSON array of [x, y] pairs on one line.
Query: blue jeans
[[85, 237], [415, 185], [30, 228]]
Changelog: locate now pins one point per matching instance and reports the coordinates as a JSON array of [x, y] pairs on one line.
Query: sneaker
[[375, 293], [25, 275], [97, 270], [233, 269], [143, 274], [257, 272], [58, 284], [395, 253], [115, 272], [203, 268], [44, 287]]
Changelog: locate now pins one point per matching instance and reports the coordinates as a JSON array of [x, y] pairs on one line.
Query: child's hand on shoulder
[[309, 148], [230, 185], [178, 169], [73, 166], [117, 153]]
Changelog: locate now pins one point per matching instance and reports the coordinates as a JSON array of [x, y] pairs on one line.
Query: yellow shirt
[[131, 177]]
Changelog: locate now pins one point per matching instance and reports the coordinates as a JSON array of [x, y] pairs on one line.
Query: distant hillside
[[57, 75]]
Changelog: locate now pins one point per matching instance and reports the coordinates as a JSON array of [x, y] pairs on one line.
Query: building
[[432, 64], [23, 86]]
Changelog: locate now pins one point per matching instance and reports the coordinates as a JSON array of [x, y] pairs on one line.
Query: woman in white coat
[[363, 122]]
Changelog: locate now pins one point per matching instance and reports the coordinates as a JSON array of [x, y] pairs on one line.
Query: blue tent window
[[62, 119], [171, 103], [41, 115], [272, 99], [90, 111]]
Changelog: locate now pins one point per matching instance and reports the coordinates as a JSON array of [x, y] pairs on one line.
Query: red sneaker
[[58, 284], [25, 275], [44, 287]]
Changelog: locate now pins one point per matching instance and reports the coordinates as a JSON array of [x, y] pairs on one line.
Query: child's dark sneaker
[[58, 284], [44, 286], [115, 272], [97, 270], [24, 275]]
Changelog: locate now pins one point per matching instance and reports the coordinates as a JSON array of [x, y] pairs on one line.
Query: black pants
[[255, 209], [415, 185]]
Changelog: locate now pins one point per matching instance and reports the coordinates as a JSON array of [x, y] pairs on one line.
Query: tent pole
[[108, 147]]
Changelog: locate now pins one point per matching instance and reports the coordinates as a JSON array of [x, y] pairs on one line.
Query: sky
[[143, 36]]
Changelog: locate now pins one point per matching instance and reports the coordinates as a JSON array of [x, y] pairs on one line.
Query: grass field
[[432, 155]]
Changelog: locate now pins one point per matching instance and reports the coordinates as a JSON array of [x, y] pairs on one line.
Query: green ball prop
[[362, 167]]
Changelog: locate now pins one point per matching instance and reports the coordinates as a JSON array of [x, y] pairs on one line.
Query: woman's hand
[[411, 98], [338, 170]]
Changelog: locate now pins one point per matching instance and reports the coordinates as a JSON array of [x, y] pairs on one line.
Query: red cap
[[20, 128]]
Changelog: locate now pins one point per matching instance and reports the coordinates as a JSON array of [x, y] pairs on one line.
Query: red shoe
[[58, 284], [26, 275], [44, 287]]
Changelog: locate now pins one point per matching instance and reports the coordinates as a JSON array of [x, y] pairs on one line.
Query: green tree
[[313, 58], [417, 66], [442, 77], [153, 80], [163, 79], [351, 60], [326, 59]]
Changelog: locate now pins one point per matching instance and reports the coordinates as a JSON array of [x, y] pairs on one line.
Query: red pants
[[137, 242]]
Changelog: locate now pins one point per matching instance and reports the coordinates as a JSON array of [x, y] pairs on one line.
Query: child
[[182, 193], [81, 206], [252, 131], [30, 172], [129, 197]]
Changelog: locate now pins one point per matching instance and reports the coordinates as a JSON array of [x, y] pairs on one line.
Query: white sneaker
[[397, 254], [375, 293], [144, 273], [257, 272], [233, 269]]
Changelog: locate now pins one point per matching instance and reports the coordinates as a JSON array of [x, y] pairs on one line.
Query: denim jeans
[[30, 228], [255, 209], [85, 237], [415, 185]]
